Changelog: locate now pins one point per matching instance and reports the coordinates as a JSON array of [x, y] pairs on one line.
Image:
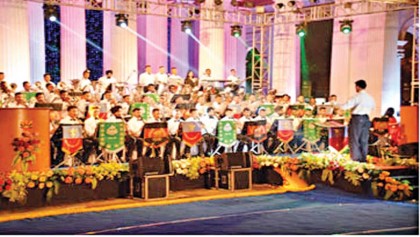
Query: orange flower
[[89, 170], [41, 185], [294, 167], [26, 154], [31, 184], [365, 175], [78, 181], [380, 184], [68, 180], [70, 171], [401, 187], [386, 173], [387, 186], [88, 180], [81, 170], [394, 188], [388, 179], [30, 148], [21, 148], [49, 184], [202, 170]]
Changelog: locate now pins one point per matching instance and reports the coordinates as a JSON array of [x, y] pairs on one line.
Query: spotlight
[[50, 12], [121, 20], [218, 2], [346, 26], [301, 30], [280, 5], [186, 26], [236, 31], [291, 3]]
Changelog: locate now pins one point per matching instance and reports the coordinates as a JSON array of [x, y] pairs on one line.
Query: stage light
[[346, 26], [280, 5], [50, 12], [218, 2], [186, 26], [301, 30], [236, 31], [121, 20], [291, 3]]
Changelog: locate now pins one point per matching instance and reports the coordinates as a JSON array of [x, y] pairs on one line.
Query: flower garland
[[193, 167], [15, 185]]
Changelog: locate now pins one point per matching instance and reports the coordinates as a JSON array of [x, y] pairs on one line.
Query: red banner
[[257, 131], [285, 130], [72, 139], [155, 134], [191, 133], [337, 138]]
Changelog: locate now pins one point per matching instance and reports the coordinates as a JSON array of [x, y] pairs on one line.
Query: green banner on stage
[[29, 95], [226, 132], [144, 109], [269, 108], [311, 131], [112, 136]]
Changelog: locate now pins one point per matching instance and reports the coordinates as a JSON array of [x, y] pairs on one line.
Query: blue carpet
[[322, 211]]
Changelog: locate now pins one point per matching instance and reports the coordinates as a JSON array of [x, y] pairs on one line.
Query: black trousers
[[359, 137]]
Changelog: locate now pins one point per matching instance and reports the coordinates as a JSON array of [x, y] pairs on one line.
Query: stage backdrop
[[27, 130]]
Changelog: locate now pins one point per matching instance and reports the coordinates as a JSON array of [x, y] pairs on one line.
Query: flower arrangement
[[15, 184], [335, 165], [25, 146], [390, 188], [194, 166]]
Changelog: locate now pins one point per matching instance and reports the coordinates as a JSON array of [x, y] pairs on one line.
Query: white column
[[37, 40], [109, 21], [369, 52], [153, 45], [179, 48], [73, 42], [14, 42], [123, 48], [286, 60], [212, 48]]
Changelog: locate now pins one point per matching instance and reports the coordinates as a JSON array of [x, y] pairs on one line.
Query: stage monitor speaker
[[151, 166], [235, 160], [155, 187], [235, 179]]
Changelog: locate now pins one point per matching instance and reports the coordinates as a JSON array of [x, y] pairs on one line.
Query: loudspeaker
[[235, 179], [151, 166], [409, 149], [235, 160], [155, 186]]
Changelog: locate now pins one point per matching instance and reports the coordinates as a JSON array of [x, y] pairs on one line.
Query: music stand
[[185, 97], [52, 106], [256, 131]]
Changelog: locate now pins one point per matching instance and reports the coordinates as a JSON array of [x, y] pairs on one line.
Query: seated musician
[[83, 103], [72, 116], [210, 121], [243, 139], [269, 141], [90, 143], [19, 102], [134, 128], [156, 116], [174, 135], [322, 114], [116, 114]]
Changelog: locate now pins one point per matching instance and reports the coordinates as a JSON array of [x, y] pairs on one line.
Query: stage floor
[[175, 197], [325, 210]]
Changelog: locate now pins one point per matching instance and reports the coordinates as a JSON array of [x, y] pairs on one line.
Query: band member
[[107, 81], [134, 128], [174, 133], [90, 143], [83, 103], [161, 80], [19, 101], [85, 83], [146, 77], [210, 121]]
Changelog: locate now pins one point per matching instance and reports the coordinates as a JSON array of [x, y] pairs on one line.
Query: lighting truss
[[241, 15]]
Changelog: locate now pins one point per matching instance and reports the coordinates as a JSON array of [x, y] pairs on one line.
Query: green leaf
[[374, 187], [94, 183], [56, 187], [388, 194], [50, 194], [352, 177]]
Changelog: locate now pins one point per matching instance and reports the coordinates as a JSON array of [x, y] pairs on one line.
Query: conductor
[[361, 105]]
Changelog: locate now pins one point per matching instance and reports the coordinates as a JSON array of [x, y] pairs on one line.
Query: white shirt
[[175, 79], [69, 120], [105, 81], [90, 126], [173, 125], [44, 83], [234, 79], [134, 126], [84, 84], [81, 106], [162, 78], [361, 104], [210, 124], [146, 79]]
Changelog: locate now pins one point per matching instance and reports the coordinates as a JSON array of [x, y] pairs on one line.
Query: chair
[[257, 133]]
